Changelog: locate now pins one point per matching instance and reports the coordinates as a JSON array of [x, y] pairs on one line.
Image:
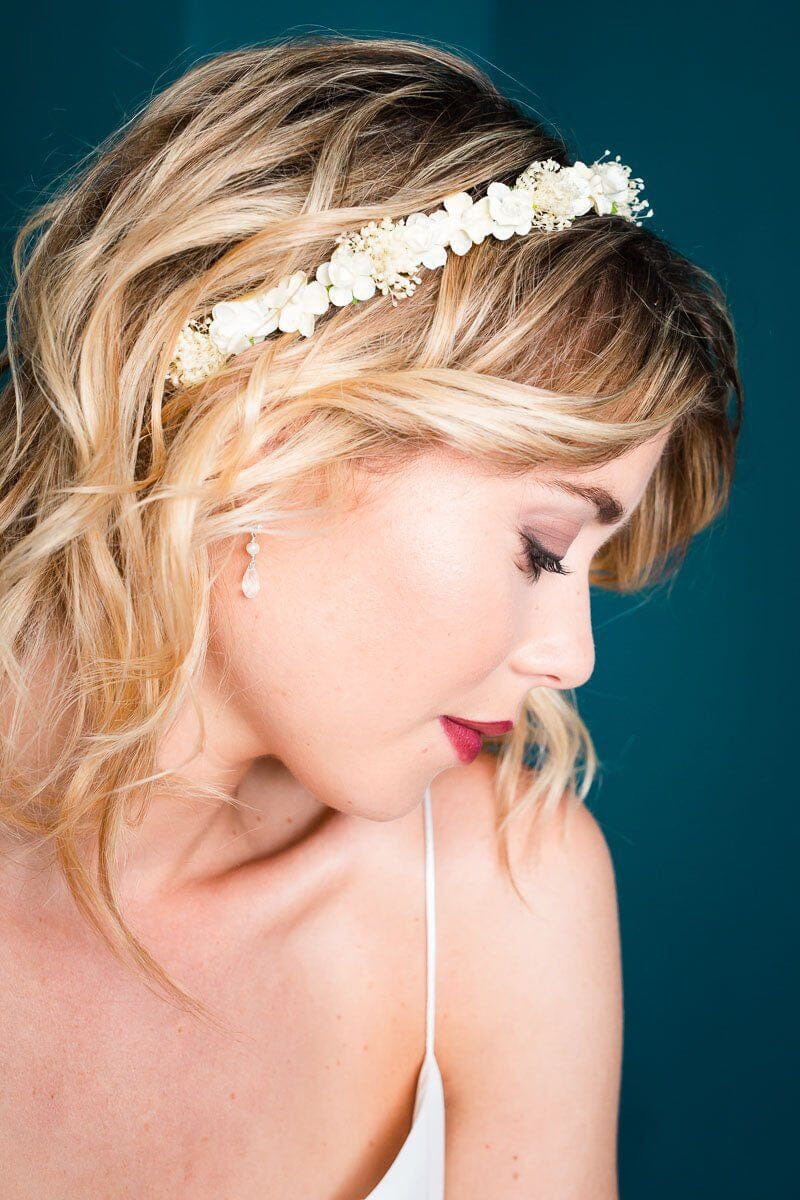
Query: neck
[[180, 843]]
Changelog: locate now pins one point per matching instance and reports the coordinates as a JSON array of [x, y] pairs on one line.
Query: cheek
[[373, 628], [431, 609], [408, 607]]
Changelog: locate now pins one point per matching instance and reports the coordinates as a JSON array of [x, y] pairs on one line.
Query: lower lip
[[467, 742]]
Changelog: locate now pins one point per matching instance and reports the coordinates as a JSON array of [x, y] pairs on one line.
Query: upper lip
[[488, 727]]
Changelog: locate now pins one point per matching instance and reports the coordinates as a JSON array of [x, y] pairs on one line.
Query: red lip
[[490, 728], [467, 737]]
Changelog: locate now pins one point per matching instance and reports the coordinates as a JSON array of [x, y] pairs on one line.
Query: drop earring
[[251, 584]]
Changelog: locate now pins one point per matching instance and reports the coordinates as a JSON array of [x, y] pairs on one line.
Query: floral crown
[[385, 256]]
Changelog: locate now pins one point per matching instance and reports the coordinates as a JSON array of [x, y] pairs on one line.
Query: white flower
[[510, 210], [283, 292], [298, 303], [579, 184], [614, 186], [347, 276], [291, 305], [594, 185], [424, 237], [464, 223], [237, 324]]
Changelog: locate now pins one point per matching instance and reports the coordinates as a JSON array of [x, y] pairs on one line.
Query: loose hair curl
[[566, 347]]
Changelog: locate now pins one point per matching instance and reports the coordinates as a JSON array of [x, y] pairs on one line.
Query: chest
[[111, 1091]]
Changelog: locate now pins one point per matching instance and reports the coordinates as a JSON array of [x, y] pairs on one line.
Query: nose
[[557, 646]]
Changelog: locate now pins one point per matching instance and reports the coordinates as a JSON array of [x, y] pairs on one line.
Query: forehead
[[617, 483], [444, 473]]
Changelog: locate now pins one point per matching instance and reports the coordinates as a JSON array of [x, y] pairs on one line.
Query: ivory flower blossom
[[424, 236], [465, 222], [237, 324], [510, 210], [347, 276], [291, 305], [298, 303]]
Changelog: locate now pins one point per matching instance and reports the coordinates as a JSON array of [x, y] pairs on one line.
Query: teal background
[[692, 703]]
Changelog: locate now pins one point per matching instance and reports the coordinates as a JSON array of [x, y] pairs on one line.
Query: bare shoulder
[[529, 999]]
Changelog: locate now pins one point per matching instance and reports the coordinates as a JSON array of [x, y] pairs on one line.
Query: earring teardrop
[[251, 584]]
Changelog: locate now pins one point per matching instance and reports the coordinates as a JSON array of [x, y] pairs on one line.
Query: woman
[[283, 516]]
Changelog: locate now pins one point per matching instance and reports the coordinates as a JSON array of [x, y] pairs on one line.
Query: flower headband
[[385, 256]]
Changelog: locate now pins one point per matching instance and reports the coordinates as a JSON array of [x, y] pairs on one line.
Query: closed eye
[[538, 559]]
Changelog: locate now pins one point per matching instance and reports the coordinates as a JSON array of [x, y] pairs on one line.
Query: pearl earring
[[251, 584]]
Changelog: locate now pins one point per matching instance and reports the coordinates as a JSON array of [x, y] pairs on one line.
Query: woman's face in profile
[[418, 602]]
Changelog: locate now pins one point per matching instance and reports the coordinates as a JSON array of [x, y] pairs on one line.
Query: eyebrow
[[608, 509]]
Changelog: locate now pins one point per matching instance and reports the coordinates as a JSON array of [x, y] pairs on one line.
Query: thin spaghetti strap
[[430, 926]]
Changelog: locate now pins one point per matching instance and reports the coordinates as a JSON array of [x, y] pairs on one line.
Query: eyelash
[[537, 559]]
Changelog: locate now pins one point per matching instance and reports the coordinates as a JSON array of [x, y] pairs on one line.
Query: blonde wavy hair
[[566, 347]]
